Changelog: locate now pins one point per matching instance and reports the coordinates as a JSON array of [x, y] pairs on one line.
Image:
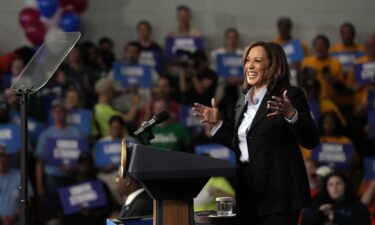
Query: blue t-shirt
[[53, 132], [9, 192]]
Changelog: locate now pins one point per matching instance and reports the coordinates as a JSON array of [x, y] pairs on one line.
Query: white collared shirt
[[133, 195]]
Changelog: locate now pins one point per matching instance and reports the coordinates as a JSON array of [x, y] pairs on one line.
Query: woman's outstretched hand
[[281, 106], [209, 115]]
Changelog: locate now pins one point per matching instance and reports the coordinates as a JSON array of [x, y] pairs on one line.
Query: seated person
[[336, 204], [184, 19], [136, 201]]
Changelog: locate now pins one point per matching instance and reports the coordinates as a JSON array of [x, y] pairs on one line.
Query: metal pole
[[24, 181]]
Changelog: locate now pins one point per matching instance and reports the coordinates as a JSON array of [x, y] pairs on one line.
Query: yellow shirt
[[327, 89], [361, 95], [342, 48]]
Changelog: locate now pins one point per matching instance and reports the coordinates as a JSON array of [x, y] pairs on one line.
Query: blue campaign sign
[[371, 122], [365, 72], [10, 136], [229, 65], [294, 51], [133, 75], [187, 118], [80, 119], [64, 150], [216, 151], [89, 195], [335, 155], [176, 45], [107, 152], [347, 58], [34, 126], [155, 59], [371, 100], [315, 110], [369, 173]]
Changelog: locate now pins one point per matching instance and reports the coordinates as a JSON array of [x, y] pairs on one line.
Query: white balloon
[[30, 3]]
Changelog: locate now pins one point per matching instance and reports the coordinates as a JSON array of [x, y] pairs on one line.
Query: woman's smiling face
[[256, 66]]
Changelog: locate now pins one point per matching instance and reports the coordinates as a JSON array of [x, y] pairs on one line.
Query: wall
[[254, 19]]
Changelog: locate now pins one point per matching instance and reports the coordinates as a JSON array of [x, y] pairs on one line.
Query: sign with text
[[365, 73], [153, 59], [335, 155], [315, 110], [81, 119], [10, 136], [34, 126], [64, 150], [107, 152], [229, 65], [87, 195], [187, 118], [216, 151], [369, 164], [293, 51], [347, 58], [133, 75], [177, 47]]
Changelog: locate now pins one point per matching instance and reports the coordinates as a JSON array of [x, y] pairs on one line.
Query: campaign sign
[[369, 173], [315, 110], [347, 58], [33, 126], [187, 118], [10, 136], [371, 100], [371, 122], [216, 151], [335, 155], [107, 152], [64, 150], [88, 195], [176, 45], [153, 59], [229, 65], [81, 119], [365, 72], [133, 75], [293, 51]]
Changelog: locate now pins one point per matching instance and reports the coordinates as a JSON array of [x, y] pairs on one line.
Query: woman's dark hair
[[339, 129], [323, 38], [348, 193], [278, 73], [116, 119]]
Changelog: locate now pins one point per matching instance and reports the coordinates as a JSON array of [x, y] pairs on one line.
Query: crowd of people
[[86, 86]]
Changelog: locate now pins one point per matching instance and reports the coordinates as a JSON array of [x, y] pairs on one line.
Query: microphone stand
[[146, 137]]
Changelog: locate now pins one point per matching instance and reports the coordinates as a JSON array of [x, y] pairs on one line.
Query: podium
[[173, 179]]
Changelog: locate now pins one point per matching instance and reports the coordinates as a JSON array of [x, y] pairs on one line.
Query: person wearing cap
[[49, 178], [9, 190]]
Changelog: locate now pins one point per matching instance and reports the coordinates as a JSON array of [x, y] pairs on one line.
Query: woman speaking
[[272, 119]]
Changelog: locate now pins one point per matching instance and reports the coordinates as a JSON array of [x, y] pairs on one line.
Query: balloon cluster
[[51, 15]]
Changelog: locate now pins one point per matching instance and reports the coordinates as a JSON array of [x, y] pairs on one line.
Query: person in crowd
[[82, 74], [328, 71], [272, 120], [311, 166], [117, 132], [347, 45], [50, 178], [136, 201], [284, 28], [73, 99], [197, 82], [9, 186], [24, 52], [105, 43], [6, 80], [89, 54], [150, 52], [367, 198], [336, 204], [169, 135], [184, 27], [94, 216], [105, 62]]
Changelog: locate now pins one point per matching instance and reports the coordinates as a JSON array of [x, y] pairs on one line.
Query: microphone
[[158, 118]]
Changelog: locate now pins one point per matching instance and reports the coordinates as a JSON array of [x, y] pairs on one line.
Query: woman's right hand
[[209, 115]]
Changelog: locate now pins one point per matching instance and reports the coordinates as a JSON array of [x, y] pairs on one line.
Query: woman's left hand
[[282, 106]]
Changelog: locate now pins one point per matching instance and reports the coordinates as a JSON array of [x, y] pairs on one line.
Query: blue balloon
[[69, 22], [48, 7]]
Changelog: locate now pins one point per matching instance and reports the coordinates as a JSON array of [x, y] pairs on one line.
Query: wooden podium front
[[173, 179]]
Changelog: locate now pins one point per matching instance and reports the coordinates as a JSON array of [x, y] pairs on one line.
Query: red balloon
[[65, 3], [80, 6], [29, 17], [36, 33]]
